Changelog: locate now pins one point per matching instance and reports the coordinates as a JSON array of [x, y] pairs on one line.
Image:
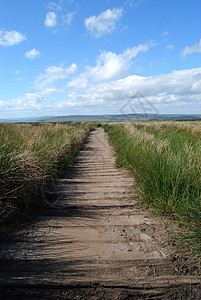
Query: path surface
[[94, 237]]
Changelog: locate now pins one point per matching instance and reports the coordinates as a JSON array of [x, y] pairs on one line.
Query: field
[[163, 156], [165, 159], [92, 228], [32, 155]]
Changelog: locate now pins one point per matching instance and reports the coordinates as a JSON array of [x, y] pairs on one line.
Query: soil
[[95, 241]]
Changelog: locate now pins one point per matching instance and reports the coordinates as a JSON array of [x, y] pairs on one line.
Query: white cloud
[[31, 99], [109, 66], [29, 102], [58, 18], [51, 19], [165, 33], [104, 23], [48, 91], [173, 92], [33, 53], [134, 3], [11, 37], [67, 18], [54, 6], [170, 47], [176, 92], [52, 74], [81, 82], [194, 49]]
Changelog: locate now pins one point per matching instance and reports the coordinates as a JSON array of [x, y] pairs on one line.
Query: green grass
[[32, 155], [165, 158]]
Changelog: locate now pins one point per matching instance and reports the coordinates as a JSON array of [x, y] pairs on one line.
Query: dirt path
[[94, 242]]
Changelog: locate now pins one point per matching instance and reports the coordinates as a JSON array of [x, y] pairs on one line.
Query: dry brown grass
[[31, 156]]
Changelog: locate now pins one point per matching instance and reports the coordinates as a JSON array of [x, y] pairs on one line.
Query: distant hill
[[104, 118], [129, 117]]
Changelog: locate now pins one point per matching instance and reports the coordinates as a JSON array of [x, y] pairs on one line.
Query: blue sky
[[72, 57]]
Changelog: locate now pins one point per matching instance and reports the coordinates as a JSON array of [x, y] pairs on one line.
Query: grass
[[165, 158], [32, 155]]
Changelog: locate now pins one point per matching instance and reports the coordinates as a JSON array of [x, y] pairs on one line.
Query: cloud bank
[[107, 86], [167, 93], [173, 91]]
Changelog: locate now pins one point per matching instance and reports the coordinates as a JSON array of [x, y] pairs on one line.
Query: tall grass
[[31, 156], [165, 158]]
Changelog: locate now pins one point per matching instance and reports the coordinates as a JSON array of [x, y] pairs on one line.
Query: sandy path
[[94, 237]]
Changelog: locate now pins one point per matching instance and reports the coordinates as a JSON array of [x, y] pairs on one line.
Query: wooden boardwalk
[[95, 234]]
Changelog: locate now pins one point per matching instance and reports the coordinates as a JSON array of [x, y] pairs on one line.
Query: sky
[[84, 57]]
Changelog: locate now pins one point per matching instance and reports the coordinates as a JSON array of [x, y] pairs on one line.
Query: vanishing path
[[93, 242]]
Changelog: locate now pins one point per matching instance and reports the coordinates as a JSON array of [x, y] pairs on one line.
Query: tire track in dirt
[[94, 238]]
